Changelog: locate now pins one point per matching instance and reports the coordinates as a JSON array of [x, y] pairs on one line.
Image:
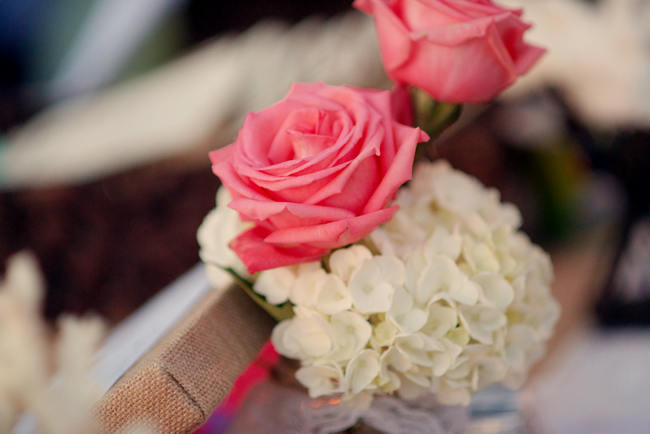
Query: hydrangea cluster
[[445, 298]]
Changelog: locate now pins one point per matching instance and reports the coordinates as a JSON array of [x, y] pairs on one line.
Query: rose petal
[[393, 40], [262, 210], [401, 104], [332, 235], [258, 255], [401, 168]]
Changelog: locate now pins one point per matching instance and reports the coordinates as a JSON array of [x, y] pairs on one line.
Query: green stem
[[433, 117]]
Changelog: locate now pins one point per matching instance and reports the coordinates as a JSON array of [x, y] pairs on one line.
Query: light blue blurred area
[[110, 36], [496, 410], [59, 25], [42, 31], [70, 47]]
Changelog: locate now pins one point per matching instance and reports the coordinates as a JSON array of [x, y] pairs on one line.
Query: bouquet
[[389, 274]]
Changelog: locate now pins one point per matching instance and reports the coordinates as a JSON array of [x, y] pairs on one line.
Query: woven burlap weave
[[180, 382]]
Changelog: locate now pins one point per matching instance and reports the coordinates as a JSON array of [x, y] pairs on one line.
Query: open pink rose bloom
[[315, 171], [456, 50]]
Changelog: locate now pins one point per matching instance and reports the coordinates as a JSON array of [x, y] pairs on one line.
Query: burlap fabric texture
[[177, 385]]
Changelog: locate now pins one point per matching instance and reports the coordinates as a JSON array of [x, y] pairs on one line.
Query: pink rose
[[456, 50], [314, 172]]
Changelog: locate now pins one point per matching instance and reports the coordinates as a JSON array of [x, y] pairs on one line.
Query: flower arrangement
[[445, 298], [388, 275]]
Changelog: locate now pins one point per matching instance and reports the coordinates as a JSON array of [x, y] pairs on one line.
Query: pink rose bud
[[315, 171], [456, 50]]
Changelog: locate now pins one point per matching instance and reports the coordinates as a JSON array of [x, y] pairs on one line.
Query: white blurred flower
[[73, 388], [24, 282], [28, 358], [24, 352]]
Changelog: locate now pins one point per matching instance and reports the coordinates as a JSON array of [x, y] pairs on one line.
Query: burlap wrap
[[181, 381]]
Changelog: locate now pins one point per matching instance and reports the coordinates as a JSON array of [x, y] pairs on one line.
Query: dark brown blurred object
[[109, 245], [208, 18]]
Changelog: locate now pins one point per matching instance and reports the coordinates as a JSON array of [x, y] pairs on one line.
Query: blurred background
[[109, 107]]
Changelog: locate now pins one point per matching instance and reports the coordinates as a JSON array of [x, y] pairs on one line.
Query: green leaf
[[278, 312]]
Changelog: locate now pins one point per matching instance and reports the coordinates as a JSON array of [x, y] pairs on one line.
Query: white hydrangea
[[445, 298], [219, 227]]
